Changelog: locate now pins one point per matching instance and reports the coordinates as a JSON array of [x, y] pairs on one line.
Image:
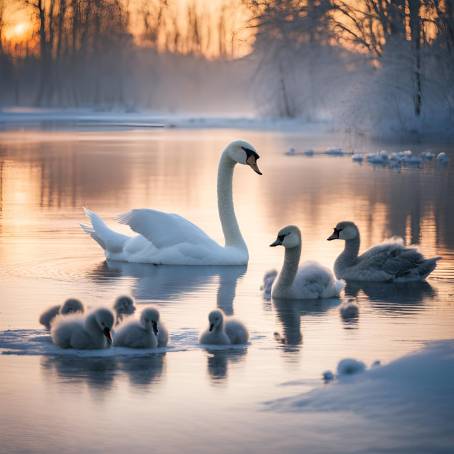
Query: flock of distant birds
[[167, 238], [394, 160]]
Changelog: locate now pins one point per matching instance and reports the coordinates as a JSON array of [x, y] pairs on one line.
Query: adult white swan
[[169, 239]]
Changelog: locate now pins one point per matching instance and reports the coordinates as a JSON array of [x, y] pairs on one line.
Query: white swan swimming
[[138, 333], [310, 281], [123, 307], [169, 239], [390, 261], [224, 332], [70, 306], [92, 331]]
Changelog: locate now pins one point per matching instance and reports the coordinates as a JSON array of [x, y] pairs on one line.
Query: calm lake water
[[190, 399]]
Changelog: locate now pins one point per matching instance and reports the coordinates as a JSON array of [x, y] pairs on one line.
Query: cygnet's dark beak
[[106, 333], [211, 326], [334, 235], [251, 161], [279, 241], [155, 327]]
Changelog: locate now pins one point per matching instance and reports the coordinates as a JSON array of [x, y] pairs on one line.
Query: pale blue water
[[191, 399]]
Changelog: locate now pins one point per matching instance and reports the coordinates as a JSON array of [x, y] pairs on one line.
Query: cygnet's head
[[124, 305], [216, 319], [345, 230], [150, 317], [72, 306], [105, 320], [244, 153], [289, 237]]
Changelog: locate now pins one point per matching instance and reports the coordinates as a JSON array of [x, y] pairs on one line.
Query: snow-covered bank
[[407, 405], [9, 118]]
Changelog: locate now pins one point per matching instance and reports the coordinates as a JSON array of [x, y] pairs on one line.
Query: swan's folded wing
[[392, 258], [164, 229]]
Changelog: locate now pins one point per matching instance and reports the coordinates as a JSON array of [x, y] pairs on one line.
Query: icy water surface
[[188, 399]]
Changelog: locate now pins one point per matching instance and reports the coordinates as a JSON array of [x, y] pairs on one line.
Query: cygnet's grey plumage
[[70, 306], [138, 333], [349, 310], [224, 332], [390, 261], [310, 281], [123, 307], [268, 281], [92, 331]]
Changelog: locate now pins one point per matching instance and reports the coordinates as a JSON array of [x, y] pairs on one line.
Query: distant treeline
[[370, 65]]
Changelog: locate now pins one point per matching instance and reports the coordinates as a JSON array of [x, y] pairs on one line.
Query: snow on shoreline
[[409, 401], [115, 119]]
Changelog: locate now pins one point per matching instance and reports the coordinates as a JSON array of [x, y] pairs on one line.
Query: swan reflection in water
[[99, 374], [167, 282], [219, 362], [289, 314], [393, 298]]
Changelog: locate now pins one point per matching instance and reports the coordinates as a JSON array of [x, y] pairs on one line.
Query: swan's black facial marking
[[106, 332], [211, 326], [335, 234], [279, 240], [250, 153]]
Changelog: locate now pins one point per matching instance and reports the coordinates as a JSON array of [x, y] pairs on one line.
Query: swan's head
[[216, 319], [345, 230], [150, 318], [244, 153], [289, 237], [124, 305], [105, 320], [72, 306]]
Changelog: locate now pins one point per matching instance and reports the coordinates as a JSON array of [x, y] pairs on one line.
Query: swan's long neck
[[349, 255], [290, 267], [229, 223]]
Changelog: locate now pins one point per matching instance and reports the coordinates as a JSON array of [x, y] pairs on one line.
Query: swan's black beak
[[106, 333], [251, 161], [155, 327], [211, 326], [279, 241], [334, 235]]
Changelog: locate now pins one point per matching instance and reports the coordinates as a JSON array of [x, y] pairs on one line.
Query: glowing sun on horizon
[[17, 31]]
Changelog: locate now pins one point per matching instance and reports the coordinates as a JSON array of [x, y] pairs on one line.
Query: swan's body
[[224, 332], [123, 308], [70, 306], [84, 332], [139, 334], [390, 261], [169, 239], [310, 281]]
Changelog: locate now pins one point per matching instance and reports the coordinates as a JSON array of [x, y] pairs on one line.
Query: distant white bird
[[231, 331], [390, 261], [291, 152], [310, 281], [442, 157], [70, 306], [123, 307], [428, 155], [169, 239], [309, 152], [92, 331], [358, 157], [139, 334]]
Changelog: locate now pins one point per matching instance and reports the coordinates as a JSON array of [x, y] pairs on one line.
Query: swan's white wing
[[165, 229]]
